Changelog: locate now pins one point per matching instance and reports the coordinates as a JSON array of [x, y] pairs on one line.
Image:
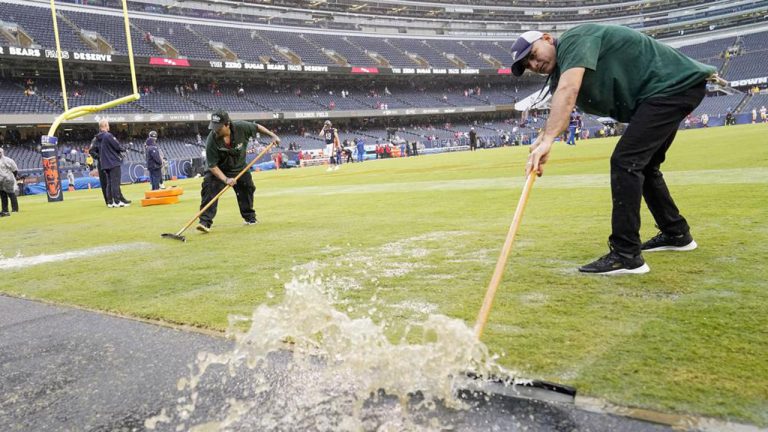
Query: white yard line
[[23, 262], [679, 178]]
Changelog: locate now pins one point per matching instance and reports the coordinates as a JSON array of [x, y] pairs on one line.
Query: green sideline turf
[[424, 234]]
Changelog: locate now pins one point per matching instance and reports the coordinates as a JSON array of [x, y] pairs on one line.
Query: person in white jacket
[[8, 185]]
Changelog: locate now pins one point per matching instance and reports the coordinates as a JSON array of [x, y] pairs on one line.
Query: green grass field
[[424, 235]]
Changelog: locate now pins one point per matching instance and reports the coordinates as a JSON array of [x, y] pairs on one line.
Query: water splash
[[304, 365]]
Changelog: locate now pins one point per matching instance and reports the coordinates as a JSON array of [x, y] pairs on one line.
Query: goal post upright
[[49, 141]]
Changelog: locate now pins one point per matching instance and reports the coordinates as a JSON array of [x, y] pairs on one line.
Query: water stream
[[303, 364]]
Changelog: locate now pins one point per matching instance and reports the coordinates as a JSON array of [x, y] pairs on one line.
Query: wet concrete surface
[[65, 369]]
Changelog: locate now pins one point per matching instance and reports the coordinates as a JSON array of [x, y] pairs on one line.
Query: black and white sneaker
[[666, 242], [203, 228], [614, 263], [250, 222]]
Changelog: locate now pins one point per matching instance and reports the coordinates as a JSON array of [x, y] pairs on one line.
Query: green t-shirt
[[623, 67], [230, 160]]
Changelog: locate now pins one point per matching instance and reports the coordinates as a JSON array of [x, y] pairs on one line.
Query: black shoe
[[250, 221], [614, 263], [666, 242], [203, 228], [4, 214], [126, 201]]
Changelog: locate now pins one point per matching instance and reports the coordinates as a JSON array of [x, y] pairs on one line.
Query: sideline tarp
[[81, 183]]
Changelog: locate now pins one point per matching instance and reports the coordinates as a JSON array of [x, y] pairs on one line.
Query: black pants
[[5, 197], [155, 178], [114, 195], [635, 170], [244, 190], [104, 184]]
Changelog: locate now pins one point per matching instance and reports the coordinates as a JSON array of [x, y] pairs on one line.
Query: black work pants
[[104, 182], [9, 196], [635, 169], [113, 176], [155, 178], [244, 189]]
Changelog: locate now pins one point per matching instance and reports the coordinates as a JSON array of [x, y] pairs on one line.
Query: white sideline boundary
[[23, 262], [575, 181]]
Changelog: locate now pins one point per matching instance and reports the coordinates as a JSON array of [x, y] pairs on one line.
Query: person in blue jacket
[[110, 160], [154, 161], [360, 149]]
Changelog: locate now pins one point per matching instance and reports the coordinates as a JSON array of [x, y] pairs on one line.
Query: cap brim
[[215, 126], [517, 67]]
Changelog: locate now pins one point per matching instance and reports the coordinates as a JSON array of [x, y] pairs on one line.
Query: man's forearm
[[219, 174], [262, 129], [563, 102]]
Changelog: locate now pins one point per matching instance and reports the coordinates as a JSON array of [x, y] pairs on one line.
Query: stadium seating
[[755, 102], [708, 50], [720, 105], [37, 22], [750, 65], [420, 48], [472, 57], [192, 40], [247, 44], [392, 54], [13, 100], [353, 54]]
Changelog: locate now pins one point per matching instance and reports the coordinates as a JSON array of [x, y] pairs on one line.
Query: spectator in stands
[[8, 186], [225, 155], [110, 161], [653, 100], [705, 120], [154, 161], [472, 139]]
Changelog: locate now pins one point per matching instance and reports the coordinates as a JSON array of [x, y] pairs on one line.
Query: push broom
[[554, 390], [490, 293]]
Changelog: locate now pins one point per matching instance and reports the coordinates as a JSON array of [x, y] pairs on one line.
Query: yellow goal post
[[49, 141]]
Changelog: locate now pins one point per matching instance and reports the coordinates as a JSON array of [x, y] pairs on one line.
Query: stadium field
[[422, 236]]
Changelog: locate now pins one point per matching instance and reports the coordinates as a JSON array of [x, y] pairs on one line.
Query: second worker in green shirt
[[615, 71]]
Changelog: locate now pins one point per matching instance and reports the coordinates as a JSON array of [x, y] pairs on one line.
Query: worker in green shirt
[[617, 72], [225, 151]]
